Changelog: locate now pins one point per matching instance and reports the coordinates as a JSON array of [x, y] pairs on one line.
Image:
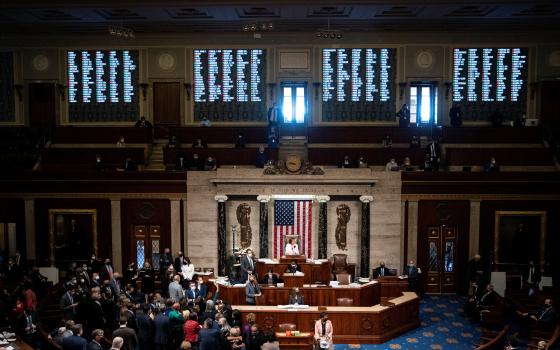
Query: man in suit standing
[[434, 153], [94, 317], [75, 341], [247, 266], [178, 262], [145, 329], [175, 289], [208, 338], [161, 329], [532, 275], [192, 294], [128, 335], [381, 270], [68, 303], [95, 343], [202, 288], [412, 272], [106, 271]]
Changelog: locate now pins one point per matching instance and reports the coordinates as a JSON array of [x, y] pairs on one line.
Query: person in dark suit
[[433, 152], [75, 341], [95, 343], [240, 141], [532, 275], [27, 327], [106, 270], [208, 338], [293, 267], [143, 123], [165, 260], [178, 262], [201, 287], [145, 328], [381, 270], [295, 297], [128, 335], [455, 115], [546, 314], [161, 329], [68, 303], [270, 278], [95, 318], [193, 294], [261, 159], [252, 290], [412, 272], [491, 166], [476, 272], [247, 265]]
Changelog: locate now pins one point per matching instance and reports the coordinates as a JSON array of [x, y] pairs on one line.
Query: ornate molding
[[262, 198], [221, 198], [366, 199], [323, 199]]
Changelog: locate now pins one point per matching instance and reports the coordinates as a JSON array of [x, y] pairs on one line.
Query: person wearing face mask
[[293, 267], [201, 286], [68, 303], [491, 166], [412, 272], [295, 298], [187, 271], [247, 265], [323, 333], [178, 262], [270, 278], [381, 270], [192, 294], [165, 260], [130, 275], [106, 271], [545, 315], [252, 290], [95, 280]]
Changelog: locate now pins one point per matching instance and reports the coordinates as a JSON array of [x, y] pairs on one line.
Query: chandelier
[[328, 33]]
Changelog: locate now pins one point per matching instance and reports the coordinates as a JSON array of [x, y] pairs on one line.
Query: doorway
[[167, 107], [42, 105], [147, 245], [423, 103], [293, 102], [442, 259]]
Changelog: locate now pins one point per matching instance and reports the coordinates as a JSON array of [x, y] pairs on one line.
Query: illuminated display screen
[[229, 84], [103, 85], [359, 84]]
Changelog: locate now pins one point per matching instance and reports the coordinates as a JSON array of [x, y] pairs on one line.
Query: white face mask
[[193, 288]]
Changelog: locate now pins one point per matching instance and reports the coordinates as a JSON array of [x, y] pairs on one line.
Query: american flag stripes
[[292, 217]]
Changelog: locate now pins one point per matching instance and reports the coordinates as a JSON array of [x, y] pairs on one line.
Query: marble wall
[[344, 186]]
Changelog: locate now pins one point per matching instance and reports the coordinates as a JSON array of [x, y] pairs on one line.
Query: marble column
[[175, 214], [412, 231], [474, 228], [116, 239], [263, 225], [365, 236], [222, 239], [30, 229], [323, 226]]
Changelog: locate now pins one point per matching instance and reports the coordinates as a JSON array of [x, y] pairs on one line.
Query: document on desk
[[293, 307]]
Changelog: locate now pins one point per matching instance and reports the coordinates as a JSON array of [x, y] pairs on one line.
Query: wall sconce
[[271, 87], [61, 88], [448, 86], [144, 87], [188, 87], [19, 89], [402, 86], [533, 88], [317, 85]]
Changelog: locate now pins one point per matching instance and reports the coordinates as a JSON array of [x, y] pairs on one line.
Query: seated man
[[270, 278], [291, 248], [346, 163], [295, 297], [293, 268], [381, 270], [480, 301], [210, 164], [261, 158], [194, 163], [392, 165], [545, 315], [407, 165], [491, 166]]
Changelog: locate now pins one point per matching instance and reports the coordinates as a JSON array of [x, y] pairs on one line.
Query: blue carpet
[[442, 327]]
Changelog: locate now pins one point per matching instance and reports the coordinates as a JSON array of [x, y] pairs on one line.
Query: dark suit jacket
[[74, 342], [246, 267], [129, 337], [293, 269], [377, 272], [536, 274], [104, 273], [296, 299], [274, 279], [209, 339], [145, 328], [161, 328], [411, 272], [192, 294], [94, 346], [202, 290], [94, 316]]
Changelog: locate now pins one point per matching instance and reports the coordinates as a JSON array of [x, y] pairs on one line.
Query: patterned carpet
[[442, 327]]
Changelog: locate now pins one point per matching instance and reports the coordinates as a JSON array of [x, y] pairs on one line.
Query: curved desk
[[352, 325]]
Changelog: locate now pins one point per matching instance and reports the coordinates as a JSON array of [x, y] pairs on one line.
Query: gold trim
[[54, 212], [500, 213]]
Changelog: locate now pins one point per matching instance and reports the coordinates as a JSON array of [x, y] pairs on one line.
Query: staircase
[[155, 162]]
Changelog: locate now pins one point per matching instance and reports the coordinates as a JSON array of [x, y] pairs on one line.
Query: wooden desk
[[293, 342], [293, 280], [352, 325], [365, 295], [392, 286], [313, 272], [287, 259]]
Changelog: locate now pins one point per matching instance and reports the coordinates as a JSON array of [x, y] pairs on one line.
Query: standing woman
[[187, 271], [252, 290], [323, 333], [146, 275]]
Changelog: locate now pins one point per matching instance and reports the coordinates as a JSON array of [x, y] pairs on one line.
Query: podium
[[292, 280], [287, 259]]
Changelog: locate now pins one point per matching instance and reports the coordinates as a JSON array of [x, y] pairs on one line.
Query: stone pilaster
[[263, 225], [175, 225], [30, 229], [116, 239], [323, 226], [365, 236], [474, 228], [412, 231], [222, 241]]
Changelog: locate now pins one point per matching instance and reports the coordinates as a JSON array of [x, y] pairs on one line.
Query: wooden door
[[549, 102], [146, 245], [167, 107], [42, 105], [442, 260]]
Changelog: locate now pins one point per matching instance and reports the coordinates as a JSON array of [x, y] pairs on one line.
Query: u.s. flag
[[292, 217]]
